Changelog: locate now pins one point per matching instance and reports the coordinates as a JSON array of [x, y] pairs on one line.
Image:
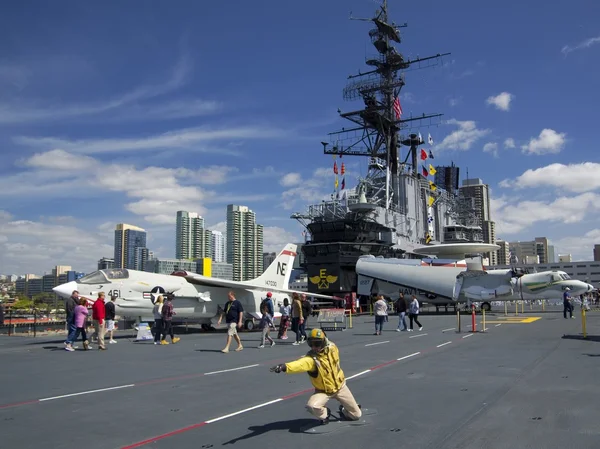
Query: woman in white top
[[158, 322], [413, 313], [380, 314], [285, 311]]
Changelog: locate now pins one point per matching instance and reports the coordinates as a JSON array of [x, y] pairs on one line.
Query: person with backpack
[[267, 307]]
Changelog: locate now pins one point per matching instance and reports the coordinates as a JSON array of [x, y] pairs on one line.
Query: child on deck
[[265, 325]]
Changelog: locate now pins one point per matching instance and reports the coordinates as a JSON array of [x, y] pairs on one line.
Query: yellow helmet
[[316, 338]]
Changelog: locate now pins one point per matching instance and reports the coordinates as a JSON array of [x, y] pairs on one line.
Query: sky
[[125, 112]]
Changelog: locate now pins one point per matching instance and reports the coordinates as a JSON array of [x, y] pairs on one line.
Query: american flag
[[397, 108]]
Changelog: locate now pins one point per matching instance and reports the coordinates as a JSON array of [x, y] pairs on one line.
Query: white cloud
[[275, 238], [464, 137], [578, 246], [215, 174], [501, 101], [454, 101], [35, 247], [513, 215], [509, 143], [191, 138], [314, 189], [290, 179], [60, 160], [222, 226], [5, 216], [583, 44], [491, 147], [578, 178], [548, 142], [125, 106]]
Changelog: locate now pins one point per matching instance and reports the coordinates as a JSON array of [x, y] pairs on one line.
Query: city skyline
[[103, 123]]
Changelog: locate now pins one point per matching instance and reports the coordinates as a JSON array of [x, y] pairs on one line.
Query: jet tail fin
[[277, 275]]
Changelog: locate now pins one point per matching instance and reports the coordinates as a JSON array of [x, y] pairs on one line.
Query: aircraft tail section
[[277, 275]]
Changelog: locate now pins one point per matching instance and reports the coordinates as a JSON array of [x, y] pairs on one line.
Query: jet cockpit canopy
[[104, 276]]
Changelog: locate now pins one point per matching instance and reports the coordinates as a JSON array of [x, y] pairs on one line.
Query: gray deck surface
[[519, 385]]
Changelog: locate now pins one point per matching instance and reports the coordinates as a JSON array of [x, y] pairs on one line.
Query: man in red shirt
[[98, 315]]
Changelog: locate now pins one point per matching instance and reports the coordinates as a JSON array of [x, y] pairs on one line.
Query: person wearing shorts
[[109, 309], [234, 313]]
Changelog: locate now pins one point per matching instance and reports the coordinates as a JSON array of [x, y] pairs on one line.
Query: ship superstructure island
[[394, 208]]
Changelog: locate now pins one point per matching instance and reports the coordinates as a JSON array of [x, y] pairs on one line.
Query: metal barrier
[[332, 319]]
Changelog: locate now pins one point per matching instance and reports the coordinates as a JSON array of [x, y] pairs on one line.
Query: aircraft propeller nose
[[65, 290]]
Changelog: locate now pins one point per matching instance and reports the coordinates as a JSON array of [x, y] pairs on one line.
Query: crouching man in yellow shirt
[[322, 364]]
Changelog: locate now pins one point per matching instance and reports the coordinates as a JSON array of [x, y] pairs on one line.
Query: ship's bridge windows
[[97, 277], [117, 273]]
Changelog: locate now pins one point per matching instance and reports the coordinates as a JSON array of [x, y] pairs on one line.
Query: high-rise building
[[244, 243], [551, 254], [127, 239], [268, 259], [542, 249], [191, 239], [596, 253], [141, 258], [446, 177], [503, 256], [478, 192], [534, 251], [106, 263], [218, 247], [299, 260], [565, 258]]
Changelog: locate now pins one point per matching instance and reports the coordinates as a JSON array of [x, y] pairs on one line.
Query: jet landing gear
[[486, 306], [207, 327], [249, 324]]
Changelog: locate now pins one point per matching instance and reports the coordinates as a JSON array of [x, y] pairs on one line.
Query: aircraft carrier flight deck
[[528, 381]]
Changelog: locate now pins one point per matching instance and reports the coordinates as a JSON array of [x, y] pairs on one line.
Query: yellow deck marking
[[513, 320]]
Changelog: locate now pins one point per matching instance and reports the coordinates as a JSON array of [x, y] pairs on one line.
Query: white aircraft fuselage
[[195, 297], [442, 282]]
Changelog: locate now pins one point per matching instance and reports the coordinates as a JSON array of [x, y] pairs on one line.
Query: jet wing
[[198, 279], [482, 285]]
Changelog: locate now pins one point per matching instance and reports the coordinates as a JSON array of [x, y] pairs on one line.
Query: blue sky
[[127, 112]]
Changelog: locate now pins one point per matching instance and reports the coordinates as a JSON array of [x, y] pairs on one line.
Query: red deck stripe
[[164, 435], [17, 404], [383, 364], [293, 395]]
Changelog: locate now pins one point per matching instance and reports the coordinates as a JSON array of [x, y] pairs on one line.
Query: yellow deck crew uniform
[[326, 375]]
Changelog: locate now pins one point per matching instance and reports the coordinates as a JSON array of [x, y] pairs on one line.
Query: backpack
[[264, 306]]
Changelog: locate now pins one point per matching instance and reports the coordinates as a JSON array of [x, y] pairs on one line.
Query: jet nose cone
[[590, 288], [65, 290]]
